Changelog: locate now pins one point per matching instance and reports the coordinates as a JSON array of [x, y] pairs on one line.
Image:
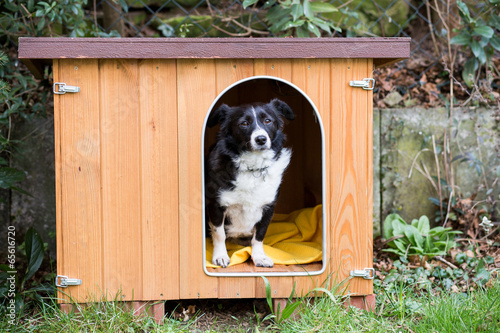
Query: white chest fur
[[257, 182]]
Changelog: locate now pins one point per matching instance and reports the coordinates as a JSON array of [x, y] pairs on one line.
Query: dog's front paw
[[221, 260], [263, 261]]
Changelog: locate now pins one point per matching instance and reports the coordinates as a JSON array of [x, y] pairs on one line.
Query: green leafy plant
[[298, 17], [42, 18], [277, 313], [280, 315], [18, 288], [10, 177], [417, 238], [397, 292], [473, 269], [477, 34], [467, 270], [184, 29]]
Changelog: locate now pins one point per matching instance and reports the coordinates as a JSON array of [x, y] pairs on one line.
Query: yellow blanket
[[294, 238]]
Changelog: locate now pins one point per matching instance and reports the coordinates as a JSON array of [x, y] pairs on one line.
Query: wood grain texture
[[196, 90], [368, 223], [227, 48], [58, 189], [228, 72], [351, 246], [312, 76], [159, 179], [78, 178], [121, 179], [128, 173]]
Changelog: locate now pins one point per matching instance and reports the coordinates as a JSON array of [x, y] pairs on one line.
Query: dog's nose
[[261, 140]]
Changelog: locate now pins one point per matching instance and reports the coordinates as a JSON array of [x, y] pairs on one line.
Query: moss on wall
[[405, 137]]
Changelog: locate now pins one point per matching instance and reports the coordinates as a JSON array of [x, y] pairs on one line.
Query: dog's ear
[[217, 115], [283, 109]]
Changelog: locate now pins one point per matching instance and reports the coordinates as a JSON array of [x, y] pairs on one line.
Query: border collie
[[243, 174]]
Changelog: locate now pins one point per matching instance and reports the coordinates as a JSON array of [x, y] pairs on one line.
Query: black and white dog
[[243, 174]]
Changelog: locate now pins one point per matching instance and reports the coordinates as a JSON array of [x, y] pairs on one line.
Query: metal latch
[[64, 281], [61, 88], [367, 273], [366, 84]]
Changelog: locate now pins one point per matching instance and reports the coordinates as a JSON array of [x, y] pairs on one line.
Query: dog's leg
[[219, 256], [259, 257]]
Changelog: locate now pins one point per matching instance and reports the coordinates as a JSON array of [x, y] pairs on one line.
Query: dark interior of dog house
[[303, 182]]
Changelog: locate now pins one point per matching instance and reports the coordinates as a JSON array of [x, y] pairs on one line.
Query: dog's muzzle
[[260, 140]]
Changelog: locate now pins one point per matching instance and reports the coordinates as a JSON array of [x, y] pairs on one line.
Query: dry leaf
[[386, 85], [423, 79], [471, 234], [454, 252], [191, 309]]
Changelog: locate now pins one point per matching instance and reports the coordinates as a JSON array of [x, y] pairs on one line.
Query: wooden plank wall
[[117, 179], [159, 180], [128, 169], [78, 178], [196, 90], [351, 172], [121, 177]]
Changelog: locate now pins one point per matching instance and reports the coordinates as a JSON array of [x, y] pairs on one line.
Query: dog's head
[[252, 127]]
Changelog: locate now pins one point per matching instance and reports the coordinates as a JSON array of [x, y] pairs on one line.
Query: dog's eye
[[267, 121], [244, 124]]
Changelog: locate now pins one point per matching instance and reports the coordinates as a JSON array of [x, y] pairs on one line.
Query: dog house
[[131, 136]]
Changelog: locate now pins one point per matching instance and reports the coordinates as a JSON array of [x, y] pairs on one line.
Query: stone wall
[[402, 134], [399, 136]]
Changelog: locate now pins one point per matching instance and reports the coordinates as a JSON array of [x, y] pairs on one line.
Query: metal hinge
[[366, 84], [64, 281], [367, 273], [61, 88]]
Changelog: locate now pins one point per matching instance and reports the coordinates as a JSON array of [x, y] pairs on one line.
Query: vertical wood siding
[[121, 178], [351, 231], [78, 178], [117, 181], [128, 174], [159, 179], [196, 90]]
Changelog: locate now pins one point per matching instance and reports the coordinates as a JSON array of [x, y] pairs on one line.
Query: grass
[[400, 311], [475, 311], [97, 317]]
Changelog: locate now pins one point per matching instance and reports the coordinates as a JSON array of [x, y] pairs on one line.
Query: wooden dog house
[[129, 134]]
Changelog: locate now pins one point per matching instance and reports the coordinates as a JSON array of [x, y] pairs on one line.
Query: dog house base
[[364, 302], [155, 309]]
